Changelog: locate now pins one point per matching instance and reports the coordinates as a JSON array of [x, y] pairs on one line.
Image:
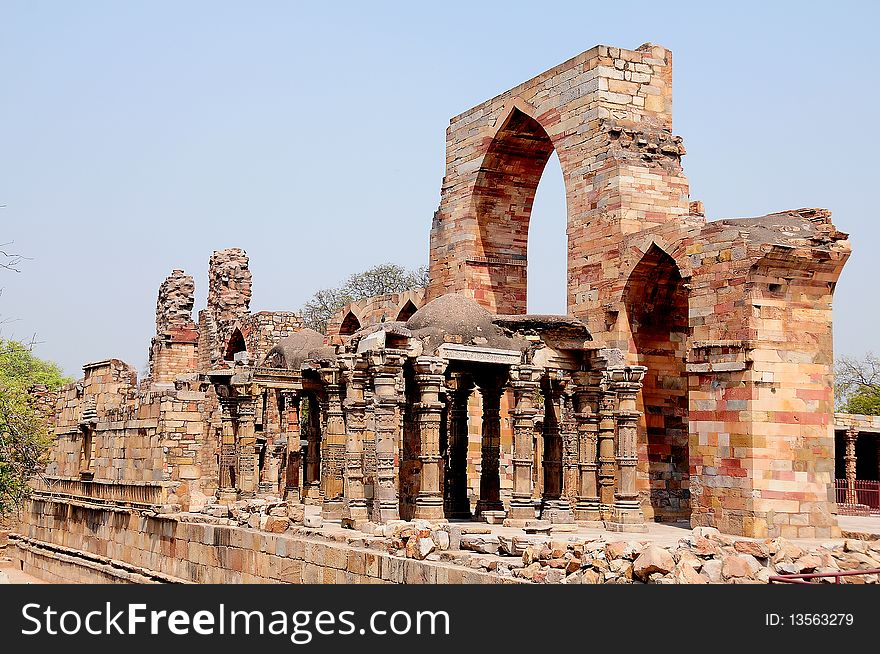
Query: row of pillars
[[604, 472], [606, 423]]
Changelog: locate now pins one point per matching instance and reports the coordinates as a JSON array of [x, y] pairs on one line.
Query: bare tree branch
[[10, 260]]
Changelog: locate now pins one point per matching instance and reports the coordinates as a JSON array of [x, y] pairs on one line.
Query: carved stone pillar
[[490, 475], [627, 512], [386, 369], [271, 469], [587, 395], [607, 404], [312, 483], [428, 411], [354, 511], [850, 460], [524, 381], [554, 506], [333, 444], [248, 475], [293, 453], [569, 433], [227, 492], [370, 448], [456, 502]]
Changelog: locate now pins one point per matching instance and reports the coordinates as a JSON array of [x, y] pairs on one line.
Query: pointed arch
[[656, 302], [234, 345], [406, 311], [350, 324], [503, 196]]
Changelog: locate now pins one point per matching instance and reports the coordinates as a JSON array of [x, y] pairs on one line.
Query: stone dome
[[453, 318], [292, 351]]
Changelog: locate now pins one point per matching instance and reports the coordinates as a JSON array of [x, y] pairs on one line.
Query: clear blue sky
[[136, 137]]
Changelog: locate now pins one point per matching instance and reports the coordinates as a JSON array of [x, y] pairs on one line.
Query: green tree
[[379, 280], [24, 437], [857, 384]]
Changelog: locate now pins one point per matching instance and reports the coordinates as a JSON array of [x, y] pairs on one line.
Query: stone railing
[[145, 495]]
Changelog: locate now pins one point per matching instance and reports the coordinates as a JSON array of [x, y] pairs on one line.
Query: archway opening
[[548, 245], [407, 311], [504, 194], [235, 345], [350, 325], [657, 308]]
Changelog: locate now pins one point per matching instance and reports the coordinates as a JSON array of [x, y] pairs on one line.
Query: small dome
[[457, 319], [290, 352], [452, 311]]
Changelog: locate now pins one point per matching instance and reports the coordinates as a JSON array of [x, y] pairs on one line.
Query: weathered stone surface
[[481, 544], [618, 550], [441, 539], [705, 547], [743, 565], [686, 574], [713, 571], [851, 545], [782, 549], [755, 548], [653, 559], [276, 525]]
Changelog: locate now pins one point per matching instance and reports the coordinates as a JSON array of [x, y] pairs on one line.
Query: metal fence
[[861, 497], [818, 576]]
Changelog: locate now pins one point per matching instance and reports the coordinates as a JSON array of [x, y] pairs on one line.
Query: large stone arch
[[607, 115], [503, 195]]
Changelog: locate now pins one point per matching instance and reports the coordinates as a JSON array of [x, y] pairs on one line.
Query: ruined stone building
[[690, 380]]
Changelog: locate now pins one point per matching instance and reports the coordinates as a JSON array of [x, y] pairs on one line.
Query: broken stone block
[[782, 549], [475, 529], [590, 577], [705, 547], [743, 566], [852, 545], [424, 546], [454, 537], [686, 557], [705, 532], [618, 550], [481, 544], [313, 521], [686, 574], [513, 545], [553, 576], [653, 559], [296, 513], [712, 570], [808, 563], [755, 548], [276, 524], [441, 539]]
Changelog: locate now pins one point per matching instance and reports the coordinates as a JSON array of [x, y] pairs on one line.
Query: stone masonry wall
[[79, 544], [262, 330]]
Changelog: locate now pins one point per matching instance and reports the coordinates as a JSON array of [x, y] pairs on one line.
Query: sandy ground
[[11, 574]]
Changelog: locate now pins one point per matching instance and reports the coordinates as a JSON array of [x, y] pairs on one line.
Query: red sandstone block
[[818, 394]]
